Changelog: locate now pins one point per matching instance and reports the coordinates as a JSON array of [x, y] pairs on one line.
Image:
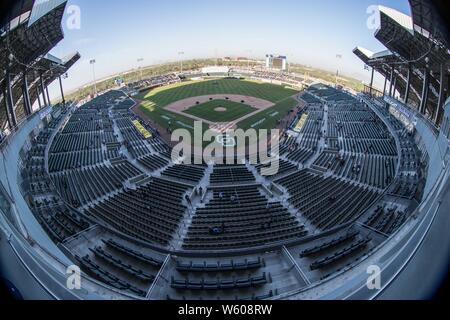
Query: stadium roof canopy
[[428, 21], [34, 29], [397, 33], [18, 14], [383, 61], [51, 71], [415, 59]]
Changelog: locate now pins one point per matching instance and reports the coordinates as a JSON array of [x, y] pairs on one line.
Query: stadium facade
[[92, 206]]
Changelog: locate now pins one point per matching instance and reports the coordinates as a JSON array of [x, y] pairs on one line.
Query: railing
[[5, 142], [394, 102]]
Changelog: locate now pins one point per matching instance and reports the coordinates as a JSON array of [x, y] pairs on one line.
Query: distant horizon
[[121, 36], [90, 83]]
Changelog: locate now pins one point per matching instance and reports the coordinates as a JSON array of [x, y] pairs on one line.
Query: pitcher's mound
[[220, 109]]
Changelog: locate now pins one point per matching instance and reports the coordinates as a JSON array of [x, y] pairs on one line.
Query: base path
[[185, 104], [182, 105], [259, 104]]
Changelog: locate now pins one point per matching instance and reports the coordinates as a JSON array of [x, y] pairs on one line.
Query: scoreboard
[[276, 62]]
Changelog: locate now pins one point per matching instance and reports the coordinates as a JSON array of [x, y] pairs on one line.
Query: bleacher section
[[153, 162], [377, 171], [326, 202], [142, 224], [191, 173], [232, 174], [238, 217], [150, 213], [79, 187], [386, 220]]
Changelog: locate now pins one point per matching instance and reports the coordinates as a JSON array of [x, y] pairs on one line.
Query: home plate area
[[223, 127]]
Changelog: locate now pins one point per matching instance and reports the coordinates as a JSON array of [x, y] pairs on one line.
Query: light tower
[[92, 62], [181, 53], [139, 60], [338, 58]]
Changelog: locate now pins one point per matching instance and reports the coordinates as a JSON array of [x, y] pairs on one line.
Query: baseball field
[[238, 103]]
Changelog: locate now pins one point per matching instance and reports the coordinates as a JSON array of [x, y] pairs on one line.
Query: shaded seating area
[[105, 276], [119, 264], [386, 220], [295, 152], [75, 159], [153, 162], [240, 217], [341, 254], [191, 173], [343, 201], [150, 213], [79, 187], [59, 222], [385, 147], [133, 253], [231, 174], [253, 297], [219, 284], [377, 171], [405, 185], [219, 266], [329, 244], [284, 167]]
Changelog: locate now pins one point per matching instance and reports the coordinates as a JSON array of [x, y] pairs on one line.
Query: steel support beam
[[394, 87], [371, 81], [425, 88], [62, 91], [443, 93], [10, 101], [43, 91], [385, 85], [38, 98], [48, 96], [3, 92], [408, 85], [26, 94], [391, 81]]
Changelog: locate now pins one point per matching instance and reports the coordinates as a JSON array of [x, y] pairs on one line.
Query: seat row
[[219, 266], [218, 284]]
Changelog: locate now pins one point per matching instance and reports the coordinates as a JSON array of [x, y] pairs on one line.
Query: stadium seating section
[[92, 169]]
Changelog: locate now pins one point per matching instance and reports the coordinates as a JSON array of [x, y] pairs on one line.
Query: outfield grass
[[168, 119], [166, 95], [233, 110], [269, 118], [155, 101]]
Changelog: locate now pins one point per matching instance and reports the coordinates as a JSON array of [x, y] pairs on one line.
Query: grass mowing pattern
[[157, 99], [166, 95], [168, 119], [268, 118], [234, 110]]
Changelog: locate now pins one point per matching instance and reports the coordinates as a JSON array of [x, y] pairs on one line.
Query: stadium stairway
[[197, 201]]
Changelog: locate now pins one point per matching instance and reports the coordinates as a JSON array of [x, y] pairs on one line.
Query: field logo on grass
[[228, 147], [374, 279], [226, 140], [73, 278]]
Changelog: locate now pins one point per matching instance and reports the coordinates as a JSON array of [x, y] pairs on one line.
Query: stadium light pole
[[92, 62], [140, 66], [338, 58], [288, 63], [248, 58], [181, 53]]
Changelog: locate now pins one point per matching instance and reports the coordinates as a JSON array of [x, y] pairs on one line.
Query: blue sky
[[116, 33]]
